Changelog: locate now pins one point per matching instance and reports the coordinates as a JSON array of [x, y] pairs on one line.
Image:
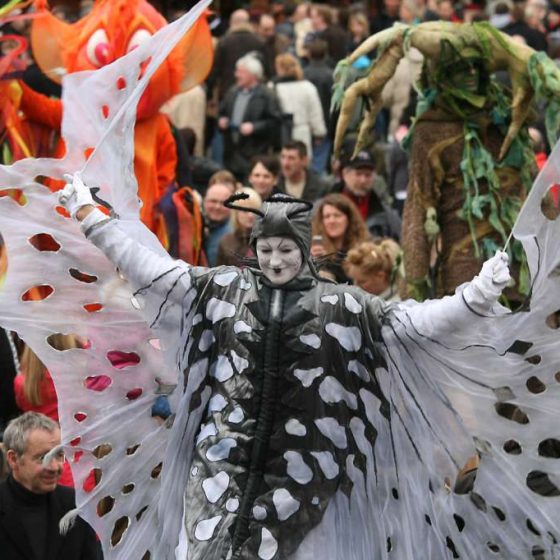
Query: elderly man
[[32, 503], [248, 117]]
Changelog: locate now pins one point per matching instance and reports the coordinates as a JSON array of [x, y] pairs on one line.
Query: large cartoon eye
[[98, 48], [139, 37]]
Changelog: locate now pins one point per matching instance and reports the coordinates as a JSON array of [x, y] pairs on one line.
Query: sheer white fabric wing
[[107, 389]]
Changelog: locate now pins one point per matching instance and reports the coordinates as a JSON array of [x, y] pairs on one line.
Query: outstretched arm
[[140, 265], [478, 297]]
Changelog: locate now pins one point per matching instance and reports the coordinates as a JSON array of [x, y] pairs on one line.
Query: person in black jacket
[[296, 178], [358, 174], [32, 503], [249, 116]]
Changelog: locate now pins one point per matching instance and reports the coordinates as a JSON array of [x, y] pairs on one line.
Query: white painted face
[[279, 258]]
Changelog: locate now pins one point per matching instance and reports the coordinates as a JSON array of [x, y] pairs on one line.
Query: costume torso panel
[[290, 372]]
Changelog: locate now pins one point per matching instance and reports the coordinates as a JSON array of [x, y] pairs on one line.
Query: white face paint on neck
[[279, 258]]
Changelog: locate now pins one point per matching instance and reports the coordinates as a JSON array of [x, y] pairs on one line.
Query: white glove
[[75, 194], [486, 288]]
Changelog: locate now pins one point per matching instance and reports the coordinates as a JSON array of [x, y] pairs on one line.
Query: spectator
[[320, 75], [224, 177], [217, 219], [32, 503], [533, 37], [446, 11], [358, 176], [323, 27], [410, 12], [199, 169], [302, 27], [337, 227], [187, 109], [285, 26], [358, 26], [373, 266], [388, 16], [296, 178], [248, 117], [299, 98], [34, 388], [274, 44], [236, 43], [500, 13], [264, 175], [234, 249]]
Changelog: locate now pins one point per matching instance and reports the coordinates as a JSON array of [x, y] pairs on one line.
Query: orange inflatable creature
[[109, 31]]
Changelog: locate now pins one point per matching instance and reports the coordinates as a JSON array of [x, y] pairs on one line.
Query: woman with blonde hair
[[337, 228], [234, 248], [299, 98], [373, 266]]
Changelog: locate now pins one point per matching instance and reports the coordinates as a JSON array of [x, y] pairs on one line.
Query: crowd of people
[[260, 125]]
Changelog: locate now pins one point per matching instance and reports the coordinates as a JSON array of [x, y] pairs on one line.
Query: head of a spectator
[[223, 177], [321, 17], [392, 7], [243, 221], [445, 10], [294, 161], [239, 19], [371, 264], [338, 222], [301, 12], [358, 25], [500, 13], [27, 441], [288, 66], [317, 50], [410, 11], [535, 13], [213, 202], [33, 369], [266, 27], [248, 71], [358, 172], [264, 174]]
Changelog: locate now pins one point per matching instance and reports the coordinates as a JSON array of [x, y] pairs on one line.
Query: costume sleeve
[[141, 266], [438, 317], [40, 108]]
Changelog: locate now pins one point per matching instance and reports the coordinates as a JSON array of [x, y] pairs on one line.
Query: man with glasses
[[32, 503]]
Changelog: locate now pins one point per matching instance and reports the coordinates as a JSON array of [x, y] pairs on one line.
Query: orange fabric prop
[[108, 32]]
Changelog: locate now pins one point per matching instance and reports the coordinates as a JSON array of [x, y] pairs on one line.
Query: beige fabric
[[188, 109]]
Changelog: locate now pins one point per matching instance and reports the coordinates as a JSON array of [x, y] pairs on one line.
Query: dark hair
[[269, 162], [324, 12], [189, 138], [317, 49], [296, 145]]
